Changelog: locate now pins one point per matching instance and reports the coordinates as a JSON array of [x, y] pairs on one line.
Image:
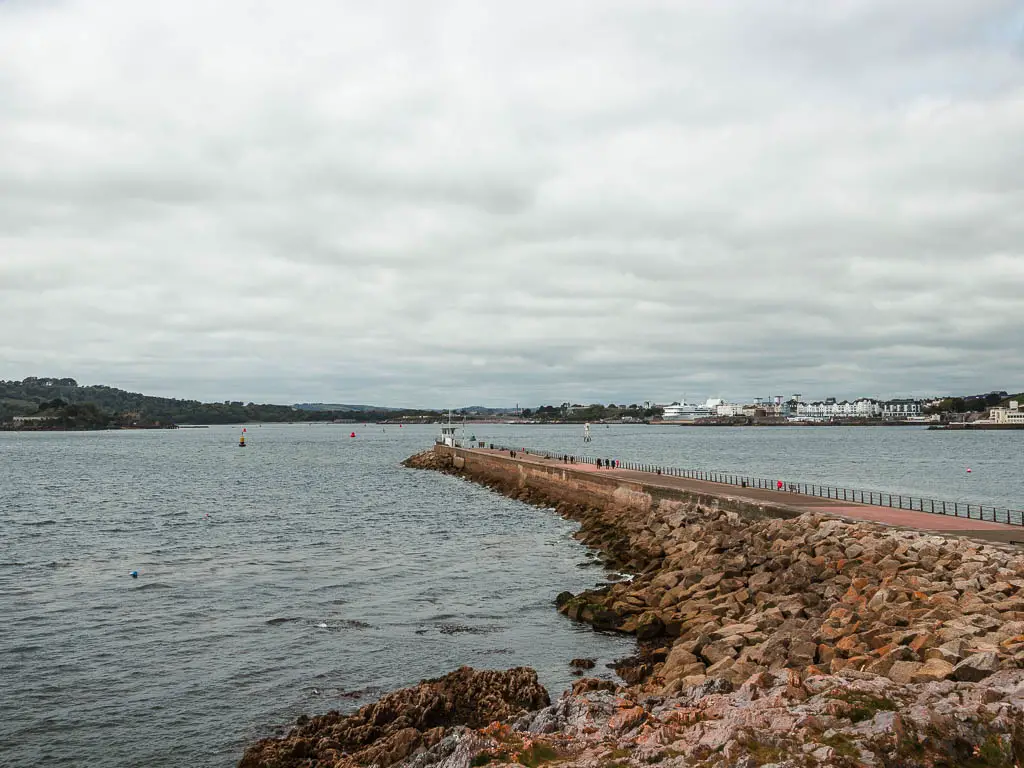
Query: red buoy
[[353, 434]]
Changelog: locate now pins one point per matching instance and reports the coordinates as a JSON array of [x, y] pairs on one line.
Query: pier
[[638, 485]]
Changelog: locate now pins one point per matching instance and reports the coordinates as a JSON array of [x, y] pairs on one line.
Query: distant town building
[[729, 409], [829, 409], [900, 410], [1011, 415]]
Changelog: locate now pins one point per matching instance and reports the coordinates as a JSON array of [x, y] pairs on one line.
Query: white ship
[[685, 411]]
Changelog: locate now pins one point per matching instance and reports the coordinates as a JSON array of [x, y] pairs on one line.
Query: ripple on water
[[223, 643]]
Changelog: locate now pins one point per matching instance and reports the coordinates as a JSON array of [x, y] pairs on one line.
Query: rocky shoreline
[[799, 642]]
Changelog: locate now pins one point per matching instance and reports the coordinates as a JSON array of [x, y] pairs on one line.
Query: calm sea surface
[[310, 571]]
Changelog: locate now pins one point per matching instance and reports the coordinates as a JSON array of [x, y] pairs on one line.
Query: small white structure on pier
[[448, 436], [450, 433]]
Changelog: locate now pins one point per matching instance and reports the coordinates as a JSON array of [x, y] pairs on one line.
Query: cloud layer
[[443, 202]]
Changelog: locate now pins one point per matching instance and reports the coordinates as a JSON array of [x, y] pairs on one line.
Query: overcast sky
[[445, 203]]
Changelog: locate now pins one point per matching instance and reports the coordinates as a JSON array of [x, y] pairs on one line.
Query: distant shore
[[713, 423], [34, 428]]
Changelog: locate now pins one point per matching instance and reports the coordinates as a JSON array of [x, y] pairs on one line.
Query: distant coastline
[[51, 404]]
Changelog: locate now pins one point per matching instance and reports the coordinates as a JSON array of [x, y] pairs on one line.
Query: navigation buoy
[[134, 574], [352, 434]]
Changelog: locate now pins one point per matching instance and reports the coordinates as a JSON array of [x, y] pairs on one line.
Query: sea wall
[[564, 483], [763, 640]]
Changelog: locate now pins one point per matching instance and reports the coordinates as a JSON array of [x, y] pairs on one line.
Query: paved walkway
[[903, 518]]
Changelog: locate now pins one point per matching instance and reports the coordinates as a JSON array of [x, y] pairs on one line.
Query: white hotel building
[[1011, 415], [861, 408]]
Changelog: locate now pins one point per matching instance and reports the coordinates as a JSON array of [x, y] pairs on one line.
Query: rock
[[587, 684], [649, 626], [582, 663], [720, 667], [388, 730], [825, 653], [922, 641], [731, 630], [707, 687], [802, 652], [711, 579], [715, 652], [457, 748], [888, 659], [605, 619], [878, 601], [952, 651], [626, 719], [933, 669], [903, 671], [680, 663], [848, 641], [976, 667]]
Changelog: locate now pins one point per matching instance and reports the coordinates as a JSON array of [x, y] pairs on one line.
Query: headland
[[768, 634]]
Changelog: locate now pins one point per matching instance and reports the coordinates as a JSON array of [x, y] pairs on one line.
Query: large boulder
[[403, 721], [976, 667], [933, 669]]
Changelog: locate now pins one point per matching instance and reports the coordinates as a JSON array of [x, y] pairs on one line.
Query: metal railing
[[983, 512]]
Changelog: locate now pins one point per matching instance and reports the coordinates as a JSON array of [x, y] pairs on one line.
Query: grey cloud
[[446, 202]]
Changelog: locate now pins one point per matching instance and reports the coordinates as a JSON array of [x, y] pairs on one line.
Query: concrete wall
[[564, 483]]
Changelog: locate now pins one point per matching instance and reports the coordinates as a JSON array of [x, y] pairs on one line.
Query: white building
[[729, 409], [29, 419], [1011, 415], [900, 410], [861, 408], [867, 408]]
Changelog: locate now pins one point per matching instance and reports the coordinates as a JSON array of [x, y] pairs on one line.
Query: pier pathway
[[798, 502]]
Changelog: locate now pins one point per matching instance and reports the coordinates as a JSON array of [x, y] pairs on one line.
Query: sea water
[[305, 572], [310, 571]]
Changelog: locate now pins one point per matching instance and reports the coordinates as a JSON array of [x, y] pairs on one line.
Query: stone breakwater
[[788, 642]]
